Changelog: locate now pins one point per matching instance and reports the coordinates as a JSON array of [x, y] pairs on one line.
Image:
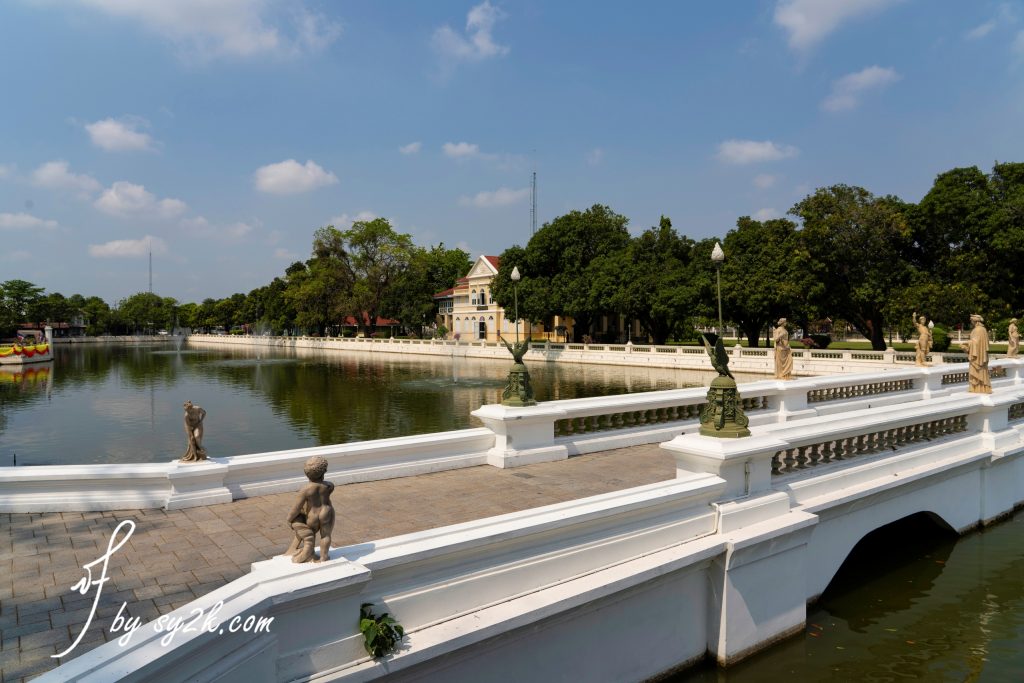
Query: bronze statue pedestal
[[518, 393], [722, 416]]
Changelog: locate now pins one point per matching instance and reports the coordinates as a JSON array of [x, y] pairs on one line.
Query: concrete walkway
[[177, 556]]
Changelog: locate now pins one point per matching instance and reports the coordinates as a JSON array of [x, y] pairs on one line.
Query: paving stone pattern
[[177, 556]]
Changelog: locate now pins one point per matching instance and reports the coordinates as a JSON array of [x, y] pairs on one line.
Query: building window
[[472, 299]]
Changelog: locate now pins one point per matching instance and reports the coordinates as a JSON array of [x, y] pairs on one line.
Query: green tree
[[374, 257], [558, 268], [765, 274], [410, 298], [857, 246], [146, 312], [18, 300], [649, 280]]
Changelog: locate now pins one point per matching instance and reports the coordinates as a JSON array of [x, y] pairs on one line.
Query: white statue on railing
[[978, 378], [783, 352], [924, 340], [1013, 339]]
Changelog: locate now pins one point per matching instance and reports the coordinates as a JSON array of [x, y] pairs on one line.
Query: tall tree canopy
[[558, 267], [857, 246], [765, 274]]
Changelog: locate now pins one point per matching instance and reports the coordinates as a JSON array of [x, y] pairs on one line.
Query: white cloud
[[765, 214], [846, 91], [57, 175], [981, 31], [753, 151], [411, 148], [460, 150], [128, 248], [346, 221], [203, 29], [128, 199], [503, 196], [478, 43], [285, 255], [1006, 14], [809, 21], [22, 221], [764, 181], [202, 227], [123, 135], [595, 156], [291, 177]]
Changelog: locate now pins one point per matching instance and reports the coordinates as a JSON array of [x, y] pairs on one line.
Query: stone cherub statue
[[924, 339], [783, 351], [312, 514], [194, 416], [978, 379], [1013, 339]]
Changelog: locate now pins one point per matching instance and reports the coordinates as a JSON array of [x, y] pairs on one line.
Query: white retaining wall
[[758, 360]]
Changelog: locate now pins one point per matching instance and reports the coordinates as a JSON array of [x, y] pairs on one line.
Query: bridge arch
[[952, 504], [888, 547]]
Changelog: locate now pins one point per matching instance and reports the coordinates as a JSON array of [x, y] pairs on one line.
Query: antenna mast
[[533, 204], [150, 266]]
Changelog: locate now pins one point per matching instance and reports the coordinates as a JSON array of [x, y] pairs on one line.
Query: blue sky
[[224, 132]]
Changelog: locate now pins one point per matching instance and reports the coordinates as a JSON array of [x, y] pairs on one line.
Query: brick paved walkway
[[174, 557]]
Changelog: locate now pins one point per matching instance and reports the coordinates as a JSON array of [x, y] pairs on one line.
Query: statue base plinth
[[518, 393], [722, 416]]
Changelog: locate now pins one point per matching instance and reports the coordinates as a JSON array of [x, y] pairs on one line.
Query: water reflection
[[931, 609], [123, 403]]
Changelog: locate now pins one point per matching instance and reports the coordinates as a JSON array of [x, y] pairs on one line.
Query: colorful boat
[[20, 354]]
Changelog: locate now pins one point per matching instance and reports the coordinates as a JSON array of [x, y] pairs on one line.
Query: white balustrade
[[511, 437]]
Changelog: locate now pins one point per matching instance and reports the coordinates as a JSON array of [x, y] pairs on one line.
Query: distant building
[[75, 328], [469, 310]]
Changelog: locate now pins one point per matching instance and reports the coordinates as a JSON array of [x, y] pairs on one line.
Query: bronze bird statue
[[517, 350], [719, 356]]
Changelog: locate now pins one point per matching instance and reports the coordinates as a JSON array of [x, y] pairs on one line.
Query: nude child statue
[[312, 514], [194, 416]]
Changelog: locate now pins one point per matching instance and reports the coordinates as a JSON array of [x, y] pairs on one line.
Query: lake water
[[122, 403], [928, 609]]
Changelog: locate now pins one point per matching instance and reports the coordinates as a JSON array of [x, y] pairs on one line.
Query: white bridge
[[624, 586]]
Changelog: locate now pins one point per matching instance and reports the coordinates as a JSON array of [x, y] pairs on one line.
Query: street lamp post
[[717, 256], [518, 391], [516, 277]]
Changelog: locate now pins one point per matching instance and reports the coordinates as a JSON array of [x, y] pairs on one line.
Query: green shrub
[[940, 339], [821, 341], [999, 330]]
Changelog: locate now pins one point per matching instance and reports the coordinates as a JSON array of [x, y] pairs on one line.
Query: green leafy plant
[[940, 339], [382, 633]]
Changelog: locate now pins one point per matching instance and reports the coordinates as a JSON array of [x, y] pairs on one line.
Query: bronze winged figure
[[719, 356], [517, 350]]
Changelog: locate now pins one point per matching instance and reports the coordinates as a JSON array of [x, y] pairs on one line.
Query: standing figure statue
[[977, 356], [783, 352], [312, 514], [1013, 339], [194, 416], [924, 339]]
